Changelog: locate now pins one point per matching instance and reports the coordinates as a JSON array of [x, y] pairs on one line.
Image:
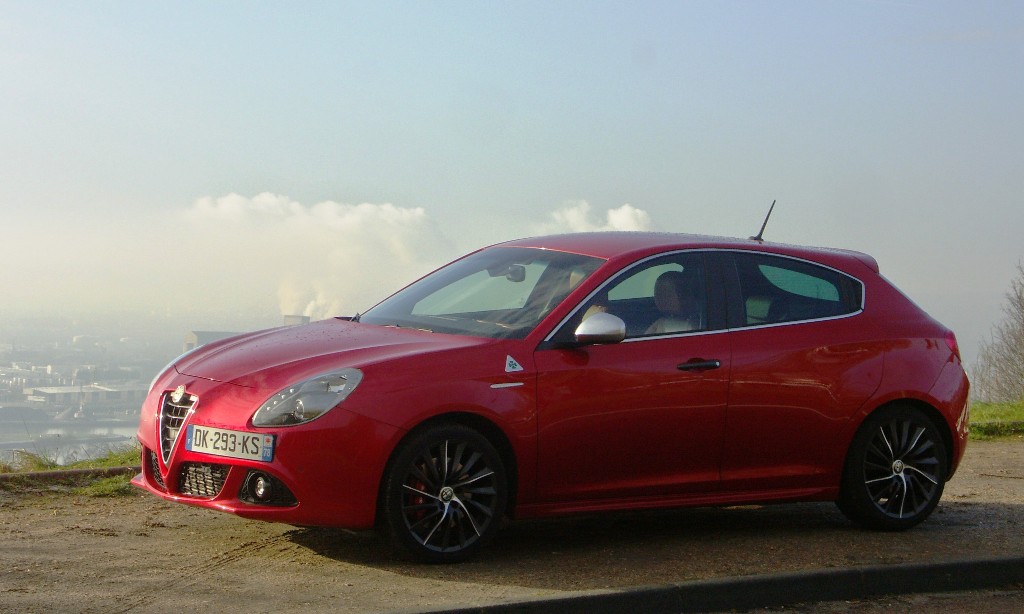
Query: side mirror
[[601, 328]]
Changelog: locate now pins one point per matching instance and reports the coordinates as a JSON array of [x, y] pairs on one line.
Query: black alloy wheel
[[444, 494], [895, 470]]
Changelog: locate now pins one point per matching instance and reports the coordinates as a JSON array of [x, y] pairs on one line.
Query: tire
[[895, 470], [444, 494]]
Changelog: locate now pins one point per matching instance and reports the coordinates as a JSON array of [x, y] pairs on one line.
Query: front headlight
[[307, 400]]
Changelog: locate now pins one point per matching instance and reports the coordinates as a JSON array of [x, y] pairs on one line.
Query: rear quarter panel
[[919, 366]]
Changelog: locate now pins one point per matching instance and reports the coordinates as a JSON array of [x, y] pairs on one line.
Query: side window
[[801, 284], [641, 284], [663, 296], [777, 289]]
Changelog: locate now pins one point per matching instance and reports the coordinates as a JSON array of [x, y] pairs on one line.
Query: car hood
[[312, 347]]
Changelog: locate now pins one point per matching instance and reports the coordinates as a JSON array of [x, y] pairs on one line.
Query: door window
[[775, 289], [661, 296]]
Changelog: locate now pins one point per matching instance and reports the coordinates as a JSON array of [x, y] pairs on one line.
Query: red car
[[568, 374]]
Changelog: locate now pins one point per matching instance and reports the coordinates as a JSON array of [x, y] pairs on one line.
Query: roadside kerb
[[749, 592], [67, 474]]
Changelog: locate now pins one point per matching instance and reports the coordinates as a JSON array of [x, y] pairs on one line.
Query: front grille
[[172, 416], [154, 468], [202, 479]]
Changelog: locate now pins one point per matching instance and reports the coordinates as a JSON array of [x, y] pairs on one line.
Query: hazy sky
[[259, 158]]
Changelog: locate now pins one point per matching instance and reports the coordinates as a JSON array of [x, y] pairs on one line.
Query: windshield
[[501, 292]]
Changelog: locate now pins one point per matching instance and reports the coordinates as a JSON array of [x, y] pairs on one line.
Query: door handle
[[698, 364]]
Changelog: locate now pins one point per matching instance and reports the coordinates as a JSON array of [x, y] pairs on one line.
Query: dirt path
[[138, 554]]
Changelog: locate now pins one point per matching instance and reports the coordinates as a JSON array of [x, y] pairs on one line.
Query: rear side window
[[775, 289]]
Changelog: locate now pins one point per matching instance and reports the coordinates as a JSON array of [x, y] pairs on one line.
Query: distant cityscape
[[73, 388]]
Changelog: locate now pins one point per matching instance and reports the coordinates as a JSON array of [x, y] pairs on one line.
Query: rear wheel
[[895, 470], [444, 494]]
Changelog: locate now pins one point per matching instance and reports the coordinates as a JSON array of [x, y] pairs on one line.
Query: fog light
[[264, 489], [261, 488]]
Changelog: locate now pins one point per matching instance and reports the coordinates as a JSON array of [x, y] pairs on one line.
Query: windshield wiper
[[426, 330]]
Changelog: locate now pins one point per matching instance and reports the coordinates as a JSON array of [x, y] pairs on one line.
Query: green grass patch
[[28, 462], [128, 457], [997, 420], [984, 431], [25, 464], [115, 486], [997, 412]]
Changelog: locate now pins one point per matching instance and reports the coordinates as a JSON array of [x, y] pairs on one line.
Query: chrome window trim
[[791, 323], [702, 250], [692, 333]]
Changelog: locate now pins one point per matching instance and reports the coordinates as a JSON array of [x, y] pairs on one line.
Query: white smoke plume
[[238, 262], [319, 261], [576, 217], [330, 258]]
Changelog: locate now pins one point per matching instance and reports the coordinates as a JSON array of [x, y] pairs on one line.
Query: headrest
[[674, 292]]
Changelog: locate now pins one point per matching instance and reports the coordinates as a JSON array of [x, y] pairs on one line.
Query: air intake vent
[[202, 479], [154, 469]]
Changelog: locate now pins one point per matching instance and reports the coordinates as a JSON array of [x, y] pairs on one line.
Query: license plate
[[232, 444]]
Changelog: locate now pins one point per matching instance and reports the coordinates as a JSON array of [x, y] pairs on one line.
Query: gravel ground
[[61, 552]]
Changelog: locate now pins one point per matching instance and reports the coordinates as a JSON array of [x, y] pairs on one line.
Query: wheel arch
[[486, 427], [930, 411]]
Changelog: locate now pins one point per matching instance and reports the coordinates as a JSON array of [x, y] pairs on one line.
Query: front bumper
[[324, 473]]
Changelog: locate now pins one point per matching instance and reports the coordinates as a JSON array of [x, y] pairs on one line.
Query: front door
[[644, 417]]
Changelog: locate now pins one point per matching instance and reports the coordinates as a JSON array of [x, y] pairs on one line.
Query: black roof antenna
[[761, 232]]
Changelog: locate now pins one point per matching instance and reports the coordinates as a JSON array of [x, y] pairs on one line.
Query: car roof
[[613, 245]]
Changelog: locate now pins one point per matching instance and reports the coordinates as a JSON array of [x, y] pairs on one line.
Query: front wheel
[[895, 470], [444, 493]]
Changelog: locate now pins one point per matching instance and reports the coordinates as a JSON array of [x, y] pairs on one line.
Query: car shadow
[[645, 548]]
